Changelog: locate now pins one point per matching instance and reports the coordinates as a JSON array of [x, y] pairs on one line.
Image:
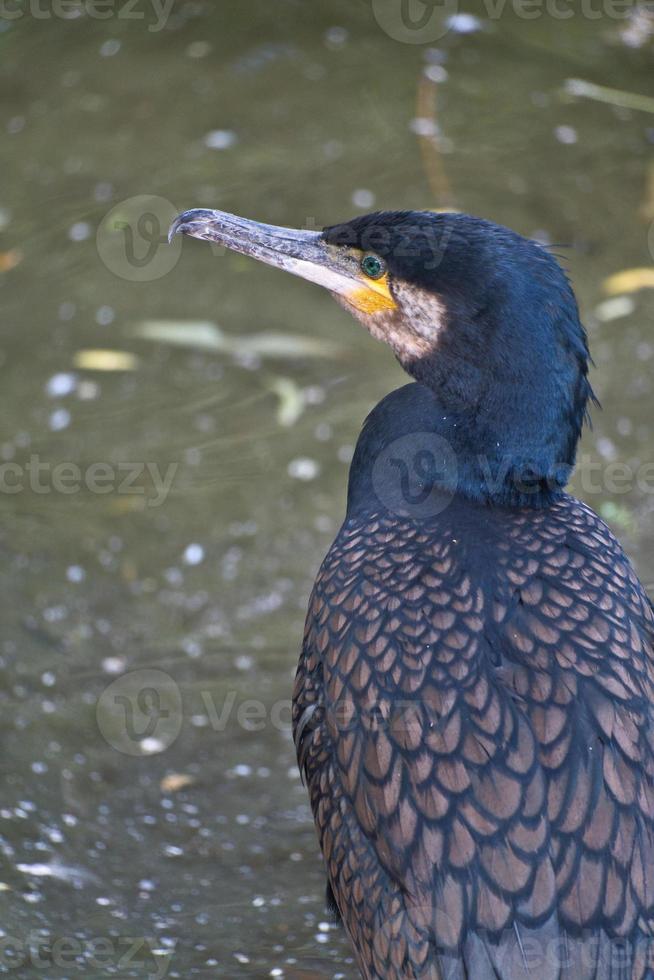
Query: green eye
[[373, 266]]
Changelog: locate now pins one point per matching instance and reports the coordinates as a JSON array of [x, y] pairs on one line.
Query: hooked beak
[[302, 253]]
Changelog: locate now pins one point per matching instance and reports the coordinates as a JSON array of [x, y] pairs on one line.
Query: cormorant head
[[477, 313]]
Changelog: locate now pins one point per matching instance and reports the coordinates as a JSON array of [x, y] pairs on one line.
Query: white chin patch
[[412, 330]]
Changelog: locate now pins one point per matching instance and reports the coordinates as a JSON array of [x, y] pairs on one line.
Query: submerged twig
[[611, 96], [429, 138]]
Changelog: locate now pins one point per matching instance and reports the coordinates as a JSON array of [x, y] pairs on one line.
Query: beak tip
[[186, 221]]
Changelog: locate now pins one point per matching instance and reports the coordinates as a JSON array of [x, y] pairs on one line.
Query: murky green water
[[158, 827]]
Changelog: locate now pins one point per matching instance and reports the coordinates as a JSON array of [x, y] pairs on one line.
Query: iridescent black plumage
[[473, 703]]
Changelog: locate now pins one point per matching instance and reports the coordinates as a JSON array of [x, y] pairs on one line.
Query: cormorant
[[473, 703]]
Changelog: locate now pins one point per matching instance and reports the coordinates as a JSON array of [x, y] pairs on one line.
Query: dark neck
[[415, 454]]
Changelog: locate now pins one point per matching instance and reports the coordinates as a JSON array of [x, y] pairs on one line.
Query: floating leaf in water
[[105, 360], [175, 781], [76, 876], [614, 308], [205, 335], [9, 260], [629, 281], [611, 96], [201, 334], [291, 401]]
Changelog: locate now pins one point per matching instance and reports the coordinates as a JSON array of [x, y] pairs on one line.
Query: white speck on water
[[5, 218], [606, 448], [566, 134], [463, 23], [422, 126], [88, 390], [323, 432], [145, 885], [303, 468], [243, 662], [75, 573], [258, 901], [321, 937], [363, 198], [220, 139], [241, 958], [198, 49], [193, 554], [80, 231], [171, 850], [39, 768], [103, 191], [67, 311], [314, 394], [62, 384], [104, 316], [114, 665], [242, 819], [332, 149], [242, 770], [48, 679], [336, 37], [276, 972], [110, 48], [103, 901], [59, 419], [150, 746], [436, 73]]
